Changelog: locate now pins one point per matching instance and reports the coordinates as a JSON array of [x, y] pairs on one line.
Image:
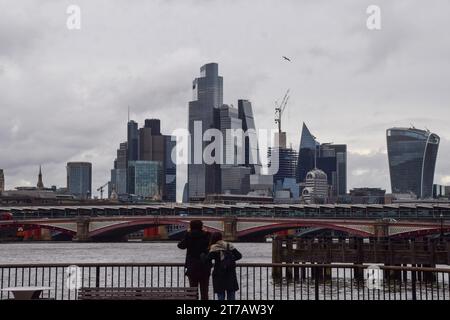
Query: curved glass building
[[412, 157]]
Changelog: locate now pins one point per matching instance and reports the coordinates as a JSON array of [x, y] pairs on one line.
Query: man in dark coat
[[197, 267]]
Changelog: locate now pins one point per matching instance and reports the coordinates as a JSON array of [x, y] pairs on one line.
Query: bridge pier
[[230, 228], [381, 229], [82, 229]]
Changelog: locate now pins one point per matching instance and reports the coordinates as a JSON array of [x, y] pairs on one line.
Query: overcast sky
[[64, 93]]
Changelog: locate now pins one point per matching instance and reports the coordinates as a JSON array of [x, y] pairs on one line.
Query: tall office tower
[[286, 161], [133, 141], [412, 157], [151, 141], [152, 147], [132, 148], [251, 147], [333, 161], [235, 176], [2, 181], [307, 154], [146, 177], [207, 90], [170, 170], [229, 121], [328, 157], [316, 187], [79, 179], [119, 173]]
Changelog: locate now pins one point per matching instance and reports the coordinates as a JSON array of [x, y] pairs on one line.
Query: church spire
[[40, 184]]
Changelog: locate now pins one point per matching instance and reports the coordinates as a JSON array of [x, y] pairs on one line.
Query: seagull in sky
[[286, 58]]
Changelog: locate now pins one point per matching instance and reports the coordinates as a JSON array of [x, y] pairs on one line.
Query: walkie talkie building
[[412, 157]]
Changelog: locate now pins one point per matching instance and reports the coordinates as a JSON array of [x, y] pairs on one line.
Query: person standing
[[224, 255], [198, 270]]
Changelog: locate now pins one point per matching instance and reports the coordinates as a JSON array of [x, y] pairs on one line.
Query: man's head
[[196, 225]]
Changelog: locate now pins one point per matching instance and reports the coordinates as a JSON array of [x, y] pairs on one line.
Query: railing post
[[316, 284], [413, 285], [97, 276]]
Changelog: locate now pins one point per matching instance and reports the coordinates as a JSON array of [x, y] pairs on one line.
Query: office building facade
[[79, 179], [170, 169], [203, 109], [251, 148], [146, 178], [412, 155]]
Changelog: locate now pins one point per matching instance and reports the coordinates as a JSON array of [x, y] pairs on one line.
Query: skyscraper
[[170, 170], [251, 147], [286, 160], [412, 157], [332, 160], [79, 179], [328, 157], [119, 173], [207, 91], [151, 142], [2, 181], [235, 176], [146, 178], [153, 146], [133, 141], [307, 154]]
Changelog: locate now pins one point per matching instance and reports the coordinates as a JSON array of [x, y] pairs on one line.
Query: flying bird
[[286, 58]]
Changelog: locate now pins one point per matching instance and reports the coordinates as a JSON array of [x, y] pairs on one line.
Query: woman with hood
[[224, 255]]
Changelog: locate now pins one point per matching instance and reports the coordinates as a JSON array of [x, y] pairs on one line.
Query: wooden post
[[289, 258], [276, 258]]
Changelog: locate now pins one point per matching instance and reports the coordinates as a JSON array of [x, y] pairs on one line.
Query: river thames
[[121, 252]]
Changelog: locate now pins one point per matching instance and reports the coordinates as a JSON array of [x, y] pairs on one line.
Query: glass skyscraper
[[146, 177], [170, 167], [328, 157], [251, 147], [412, 157], [306, 154], [207, 91], [79, 179]]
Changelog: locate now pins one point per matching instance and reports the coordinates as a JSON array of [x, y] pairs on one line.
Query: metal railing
[[257, 281]]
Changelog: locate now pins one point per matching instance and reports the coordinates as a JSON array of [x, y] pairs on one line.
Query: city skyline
[[88, 98]]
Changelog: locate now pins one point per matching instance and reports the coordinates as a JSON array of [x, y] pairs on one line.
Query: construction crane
[[279, 109], [101, 189]]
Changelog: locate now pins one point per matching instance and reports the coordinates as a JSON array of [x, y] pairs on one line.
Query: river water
[[123, 252]]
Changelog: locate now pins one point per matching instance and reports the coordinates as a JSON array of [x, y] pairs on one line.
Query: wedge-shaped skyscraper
[[412, 157]]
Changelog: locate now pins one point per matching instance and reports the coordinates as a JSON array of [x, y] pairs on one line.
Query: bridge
[[236, 222]]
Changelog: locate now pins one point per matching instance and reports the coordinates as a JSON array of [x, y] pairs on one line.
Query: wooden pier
[[358, 251]]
